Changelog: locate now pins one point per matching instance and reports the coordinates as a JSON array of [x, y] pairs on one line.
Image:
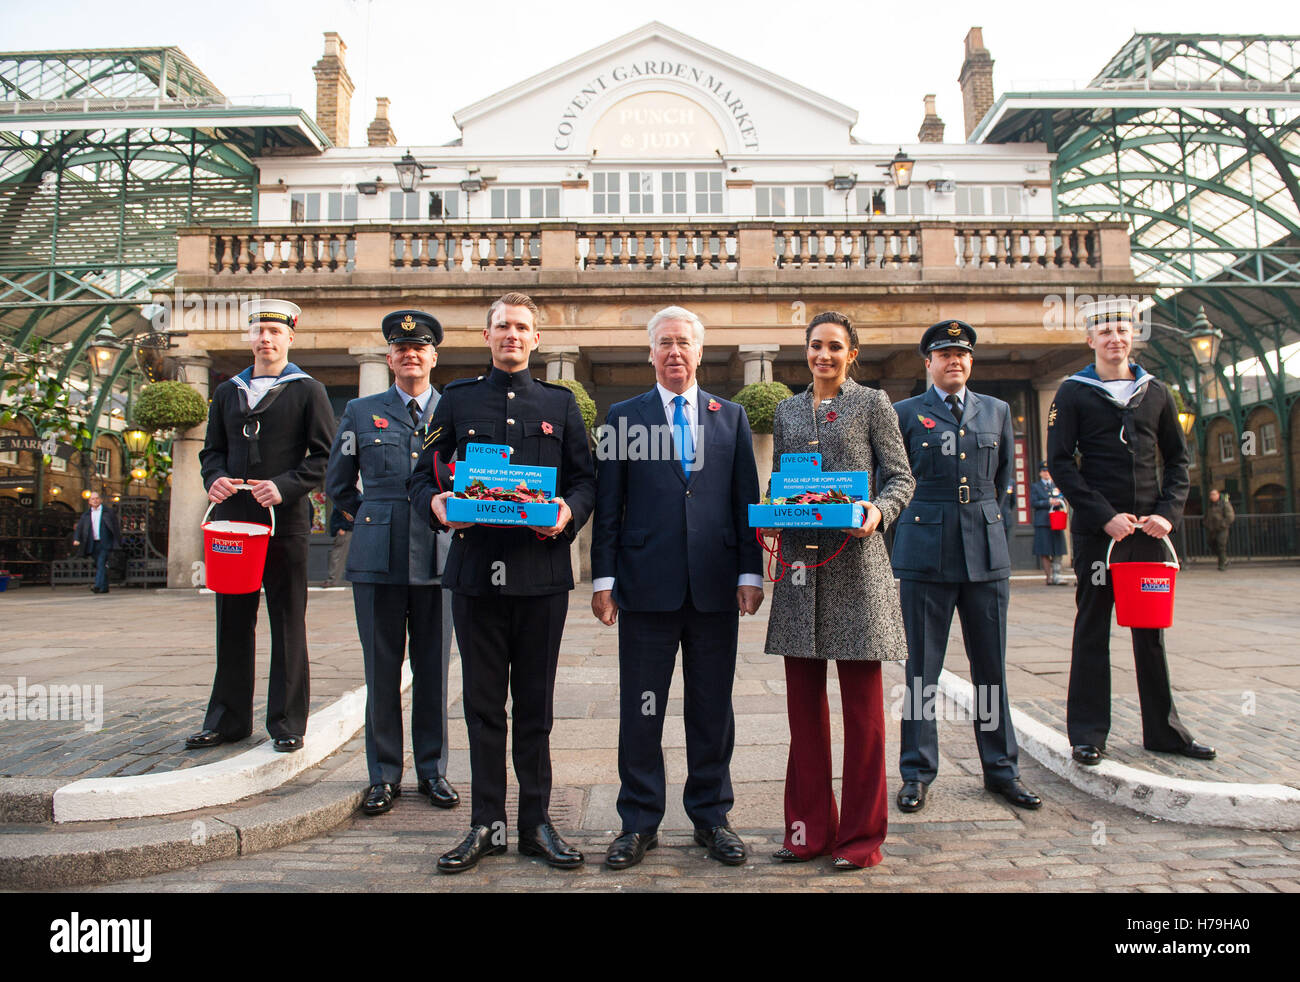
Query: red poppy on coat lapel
[[547, 428], [714, 405], [832, 416], [926, 421], [380, 422]]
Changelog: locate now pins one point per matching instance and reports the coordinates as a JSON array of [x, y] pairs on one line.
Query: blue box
[[801, 472], [490, 463]]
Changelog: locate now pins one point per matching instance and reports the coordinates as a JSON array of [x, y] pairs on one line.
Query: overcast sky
[[434, 58]]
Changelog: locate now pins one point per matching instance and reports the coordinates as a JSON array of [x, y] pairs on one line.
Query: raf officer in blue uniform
[[510, 585], [394, 564], [950, 552]]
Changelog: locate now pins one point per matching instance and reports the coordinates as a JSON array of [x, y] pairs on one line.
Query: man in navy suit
[[672, 548], [950, 553]]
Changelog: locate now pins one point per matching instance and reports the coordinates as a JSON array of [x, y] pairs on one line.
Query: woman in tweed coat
[[845, 611]]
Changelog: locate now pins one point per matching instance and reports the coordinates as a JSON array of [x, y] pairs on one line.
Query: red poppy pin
[[832, 416], [380, 422], [926, 421], [547, 428], [714, 405]]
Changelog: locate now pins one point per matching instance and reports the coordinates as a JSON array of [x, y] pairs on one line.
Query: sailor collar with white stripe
[[290, 373], [1141, 379]]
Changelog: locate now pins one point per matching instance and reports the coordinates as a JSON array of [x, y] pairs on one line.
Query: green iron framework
[[103, 155], [1194, 140]]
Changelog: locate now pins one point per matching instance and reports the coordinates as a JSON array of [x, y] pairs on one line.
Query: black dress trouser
[[230, 710], [509, 644], [1088, 703]]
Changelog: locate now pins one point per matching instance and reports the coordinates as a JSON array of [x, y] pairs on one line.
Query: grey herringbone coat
[[848, 609]]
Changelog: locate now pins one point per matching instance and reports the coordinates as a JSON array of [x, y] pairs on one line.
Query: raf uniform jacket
[[541, 424], [1117, 446], [658, 528], [954, 529], [285, 438], [377, 442]]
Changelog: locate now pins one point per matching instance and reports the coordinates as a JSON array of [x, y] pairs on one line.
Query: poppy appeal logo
[[1154, 584]]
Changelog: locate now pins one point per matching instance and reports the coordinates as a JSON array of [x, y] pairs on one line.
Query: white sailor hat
[[279, 311], [1112, 309]]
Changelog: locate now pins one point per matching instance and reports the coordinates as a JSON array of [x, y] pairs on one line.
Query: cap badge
[[408, 323], [953, 330]]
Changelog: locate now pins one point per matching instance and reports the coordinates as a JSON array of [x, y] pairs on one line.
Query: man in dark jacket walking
[[1219, 516], [98, 534], [1116, 417]]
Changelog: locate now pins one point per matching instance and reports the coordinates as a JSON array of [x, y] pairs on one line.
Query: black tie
[[414, 408], [955, 405]]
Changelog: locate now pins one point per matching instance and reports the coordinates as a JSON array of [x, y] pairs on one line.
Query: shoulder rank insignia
[[1051, 415]]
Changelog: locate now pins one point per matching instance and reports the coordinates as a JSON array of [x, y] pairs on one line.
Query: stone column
[[189, 499], [757, 361], [561, 362], [373, 376]]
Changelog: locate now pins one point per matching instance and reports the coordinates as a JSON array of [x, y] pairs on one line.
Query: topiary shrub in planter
[[586, 404], [169, 405], [759, 400]]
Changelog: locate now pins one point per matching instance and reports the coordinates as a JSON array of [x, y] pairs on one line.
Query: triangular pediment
[[557, 110]]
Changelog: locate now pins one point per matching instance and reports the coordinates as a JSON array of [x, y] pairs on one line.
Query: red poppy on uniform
[[547, 428], [926, 421], [380, 422]]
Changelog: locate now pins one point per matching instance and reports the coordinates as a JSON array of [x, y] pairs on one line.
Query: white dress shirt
[[95, 514], [691, 409]]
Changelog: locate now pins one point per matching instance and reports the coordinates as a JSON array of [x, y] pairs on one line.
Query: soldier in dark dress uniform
[[270, 426], [510, 585], [950, 553], [393, 564], [1103, 432]]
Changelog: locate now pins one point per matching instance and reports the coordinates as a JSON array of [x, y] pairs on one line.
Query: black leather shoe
[[1199, 751], [723, 844], [203, 739], [911, 796], [440, 793], [1087, 754], [1015, 792], [544, 842], [475, 846], [287, 744], [629, 849], [840, 863], [379, 798]]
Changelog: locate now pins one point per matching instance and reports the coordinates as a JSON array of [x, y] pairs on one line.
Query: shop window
[[708, 192], [605, 193], [810, 201], [403, 205], [544, 202], [305, 207], [444, 204], [506, 202], [640, 192], [342, 207], [769, 202], [674, 192]]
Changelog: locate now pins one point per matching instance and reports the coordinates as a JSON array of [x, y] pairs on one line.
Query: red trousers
[[813, 826]]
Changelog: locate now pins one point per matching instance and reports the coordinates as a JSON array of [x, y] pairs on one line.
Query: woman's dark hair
[[832, 317]]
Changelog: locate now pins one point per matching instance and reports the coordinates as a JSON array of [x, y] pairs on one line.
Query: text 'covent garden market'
[[653, 170]]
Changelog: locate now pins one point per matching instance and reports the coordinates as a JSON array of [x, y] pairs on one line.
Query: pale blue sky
[[434, 58]]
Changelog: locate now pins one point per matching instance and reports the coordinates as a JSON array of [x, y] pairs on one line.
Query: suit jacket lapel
[[654, 418], [938, 406], [705, 431]]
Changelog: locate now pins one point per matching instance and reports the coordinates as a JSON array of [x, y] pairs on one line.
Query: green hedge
[[168, 406], [586, 404], [759, 400]]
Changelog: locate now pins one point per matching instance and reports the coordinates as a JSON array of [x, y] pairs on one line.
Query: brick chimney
[[333, 91], [380, 132], [931, 130], [976, 80]]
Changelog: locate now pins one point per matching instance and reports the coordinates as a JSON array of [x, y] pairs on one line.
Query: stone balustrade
[[944, 249]]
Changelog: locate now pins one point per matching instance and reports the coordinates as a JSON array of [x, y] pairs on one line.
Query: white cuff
[[602, 583], [750, 579]]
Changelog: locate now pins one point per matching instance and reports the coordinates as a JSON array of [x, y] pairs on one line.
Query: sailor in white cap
[[271, 427]]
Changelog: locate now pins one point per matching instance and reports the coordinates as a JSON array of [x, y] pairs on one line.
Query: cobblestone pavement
[[1228, 642], [152, 652]]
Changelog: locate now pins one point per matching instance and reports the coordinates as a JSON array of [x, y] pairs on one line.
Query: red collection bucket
[[234, 553], [1144, 592], [1057, 519]]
